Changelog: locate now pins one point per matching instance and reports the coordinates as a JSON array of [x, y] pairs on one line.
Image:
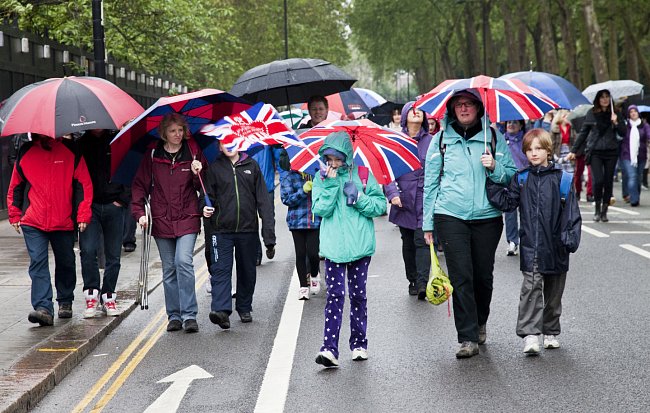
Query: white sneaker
[[327, 359], [359, 354], [303, 293], [531, 345], [314, 285], [208, 287], [109, 305], [92, 299], [512, 249], [551, 341]]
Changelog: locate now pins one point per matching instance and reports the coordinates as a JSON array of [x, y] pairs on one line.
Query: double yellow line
[[153, 330]]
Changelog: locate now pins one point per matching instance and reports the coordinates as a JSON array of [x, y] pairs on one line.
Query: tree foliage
[[202, 43], [439, 39]]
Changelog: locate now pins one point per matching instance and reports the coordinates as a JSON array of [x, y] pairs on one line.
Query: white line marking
[[645, 245], [625, 211], [630, 232], [275, 386], [594, 232], [636, 250]]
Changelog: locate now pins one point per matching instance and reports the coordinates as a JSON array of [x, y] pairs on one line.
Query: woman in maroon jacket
[[168, 178]]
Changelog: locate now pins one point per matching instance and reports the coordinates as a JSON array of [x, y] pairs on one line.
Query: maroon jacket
[[173, 190]]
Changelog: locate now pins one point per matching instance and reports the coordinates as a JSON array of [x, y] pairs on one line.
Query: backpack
[[565, 183], [443, 148]]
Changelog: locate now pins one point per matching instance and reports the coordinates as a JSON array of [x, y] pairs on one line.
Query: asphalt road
[[601, 366]]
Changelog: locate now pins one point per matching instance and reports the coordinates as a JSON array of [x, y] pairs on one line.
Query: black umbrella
[[383, 114], [283, 82]]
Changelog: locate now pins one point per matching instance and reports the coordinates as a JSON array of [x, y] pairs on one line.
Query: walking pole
[[143, 281]]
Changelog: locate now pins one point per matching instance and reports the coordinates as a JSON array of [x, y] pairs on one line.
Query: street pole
[[286, 32], [485, 20], [98, 39]]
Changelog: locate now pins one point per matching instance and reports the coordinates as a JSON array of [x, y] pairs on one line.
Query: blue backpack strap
[[523, 175], [565, 185]]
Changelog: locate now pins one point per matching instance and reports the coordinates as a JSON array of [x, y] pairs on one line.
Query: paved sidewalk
[[34, 359]]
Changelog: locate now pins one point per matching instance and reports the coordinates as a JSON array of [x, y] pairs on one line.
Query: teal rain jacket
[[347, 233], [460, 191]]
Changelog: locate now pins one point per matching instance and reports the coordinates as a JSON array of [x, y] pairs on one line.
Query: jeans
[[243, 243], [632, 179], [178, 276], [512, 226], [109, 220], [469, 250], [129, 227], [416, 256], [65, 276]]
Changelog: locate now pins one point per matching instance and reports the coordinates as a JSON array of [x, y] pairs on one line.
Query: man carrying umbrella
[[109, 202], [47, 177]]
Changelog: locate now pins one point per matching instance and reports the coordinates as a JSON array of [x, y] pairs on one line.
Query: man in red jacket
[[50, 191]]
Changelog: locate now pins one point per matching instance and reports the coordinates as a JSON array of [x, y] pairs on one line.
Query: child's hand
[[351, 192], [208, 211]]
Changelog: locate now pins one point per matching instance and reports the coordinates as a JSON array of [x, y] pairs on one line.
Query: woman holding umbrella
[[599, 142], [468, 226], [168, 178]]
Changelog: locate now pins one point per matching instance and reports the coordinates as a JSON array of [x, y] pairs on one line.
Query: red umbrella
[[348, 102], [58, 106]]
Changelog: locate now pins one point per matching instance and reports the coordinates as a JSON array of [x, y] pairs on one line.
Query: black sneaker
[[246, 317], [413, 290], [220, 318], [174, 325], [129, 247], [41, 316], [65, 310], [422, 293], [191, 326]]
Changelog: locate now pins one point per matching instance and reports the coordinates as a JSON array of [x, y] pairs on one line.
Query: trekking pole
[[143, 281]]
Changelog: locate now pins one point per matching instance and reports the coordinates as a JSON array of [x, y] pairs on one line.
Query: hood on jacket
[[341, 142], [468, 93], [405, 111]]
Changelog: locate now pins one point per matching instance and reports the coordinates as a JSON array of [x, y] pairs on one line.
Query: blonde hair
[[544, 138], [173, 118]]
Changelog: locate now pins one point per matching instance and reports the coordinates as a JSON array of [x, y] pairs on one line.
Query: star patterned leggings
[[335, 278]]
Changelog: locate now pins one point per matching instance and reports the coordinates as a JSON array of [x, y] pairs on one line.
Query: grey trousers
[[540, 303]]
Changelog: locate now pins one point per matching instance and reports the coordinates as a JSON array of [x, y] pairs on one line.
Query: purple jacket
[[514, 144], [644, 137], [410, 187]]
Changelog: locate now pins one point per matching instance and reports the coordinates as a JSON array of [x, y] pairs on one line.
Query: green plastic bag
[[439, 287]]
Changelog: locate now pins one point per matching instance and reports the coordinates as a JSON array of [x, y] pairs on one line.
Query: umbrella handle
[[208, 203]]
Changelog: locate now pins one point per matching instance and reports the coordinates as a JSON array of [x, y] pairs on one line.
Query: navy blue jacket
[[299, 214], [549, 229]]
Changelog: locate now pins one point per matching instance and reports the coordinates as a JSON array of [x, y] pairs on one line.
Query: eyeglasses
[[466, 105]]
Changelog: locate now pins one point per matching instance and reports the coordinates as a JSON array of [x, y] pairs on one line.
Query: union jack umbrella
[[246, 130], [199, 108], [504, 99], [387, 153], [349, 102]]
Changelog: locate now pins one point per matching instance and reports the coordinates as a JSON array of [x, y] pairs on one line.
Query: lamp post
[[98, 39], [286, 32]]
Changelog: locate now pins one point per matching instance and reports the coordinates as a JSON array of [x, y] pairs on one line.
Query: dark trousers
[[108, 220], [65, 276], [416, 255], [602, 169], [306, 243], [242, 243], [259, 243], [129, 227], [210, 249], [469, 248]]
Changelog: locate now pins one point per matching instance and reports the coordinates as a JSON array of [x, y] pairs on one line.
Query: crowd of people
[[471, 173]]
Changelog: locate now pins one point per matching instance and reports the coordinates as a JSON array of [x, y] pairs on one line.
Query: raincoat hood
[[405, 111], [341, 142], [469, 93]]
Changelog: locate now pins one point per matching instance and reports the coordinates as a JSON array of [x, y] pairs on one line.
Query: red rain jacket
[[50, 189], [173, 189]]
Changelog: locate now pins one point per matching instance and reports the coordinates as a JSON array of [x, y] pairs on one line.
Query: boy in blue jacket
[[545, 218]]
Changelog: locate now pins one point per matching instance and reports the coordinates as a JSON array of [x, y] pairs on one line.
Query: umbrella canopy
[[560, 90], [504, 99], [348, 102], [617, 88], [283, 82], [580, 111], [59, 106], [383, 114], [260, 125], [387, 153], [371, 97], [199, 108], [643, 108], [294, 117]]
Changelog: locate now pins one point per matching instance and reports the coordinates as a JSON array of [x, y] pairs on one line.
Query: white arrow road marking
[[275, 386], [630, 232], [170, 400], [624, 211], [594, 232], [636, 250]]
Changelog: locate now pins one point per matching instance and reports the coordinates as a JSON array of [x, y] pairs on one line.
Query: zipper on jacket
[[234, 174], [536, 219]]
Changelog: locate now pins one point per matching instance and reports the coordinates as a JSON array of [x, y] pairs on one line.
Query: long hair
[[596, 102]]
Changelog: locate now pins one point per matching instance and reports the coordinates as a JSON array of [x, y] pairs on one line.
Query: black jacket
[[96, 151], [598, 134], [238, 193], [549, 228]]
